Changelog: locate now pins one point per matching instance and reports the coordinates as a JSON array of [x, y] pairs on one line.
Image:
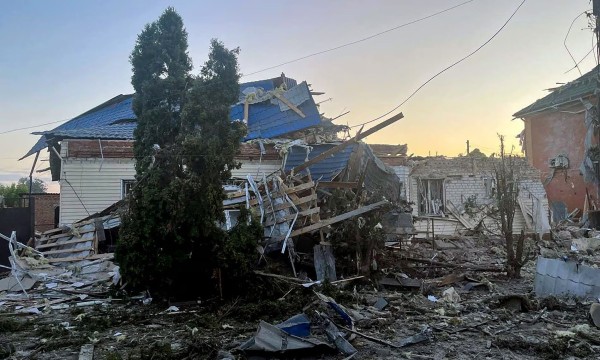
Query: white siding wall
[[256, 168], [97, 183], [402, 173], [93, 182]]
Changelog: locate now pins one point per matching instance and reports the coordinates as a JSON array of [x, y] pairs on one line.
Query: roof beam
[[334, 150]]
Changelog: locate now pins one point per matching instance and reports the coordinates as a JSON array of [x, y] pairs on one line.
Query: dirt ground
[[491, 318]]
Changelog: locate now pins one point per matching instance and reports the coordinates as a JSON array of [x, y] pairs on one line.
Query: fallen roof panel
[[325, 170]]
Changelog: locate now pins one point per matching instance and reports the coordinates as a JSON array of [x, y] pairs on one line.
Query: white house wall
[[256, 168], [457, 189], [90, 185], [93, 182], [402, 173]]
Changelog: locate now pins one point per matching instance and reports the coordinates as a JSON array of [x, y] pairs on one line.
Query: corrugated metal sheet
[[118, 131], [555, 277], [266, 119], [113, 110], [325, 170], [380, 178]]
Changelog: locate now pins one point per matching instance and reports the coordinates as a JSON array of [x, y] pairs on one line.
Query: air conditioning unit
[[559, 162]]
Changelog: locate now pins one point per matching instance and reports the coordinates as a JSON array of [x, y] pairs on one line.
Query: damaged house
[[92, 154], [291, 159], [560, 140], [454, 196]]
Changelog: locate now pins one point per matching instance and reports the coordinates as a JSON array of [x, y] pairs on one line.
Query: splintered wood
[[77, 243]]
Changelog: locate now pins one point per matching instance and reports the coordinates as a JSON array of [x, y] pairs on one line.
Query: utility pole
[[596, 12], [468, 150]]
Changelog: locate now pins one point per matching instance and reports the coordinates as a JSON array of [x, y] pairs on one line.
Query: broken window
[[126, 186], [431, 196]]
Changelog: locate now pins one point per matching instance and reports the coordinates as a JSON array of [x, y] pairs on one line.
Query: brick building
[[46, 209], [559, 139], [453, 195]]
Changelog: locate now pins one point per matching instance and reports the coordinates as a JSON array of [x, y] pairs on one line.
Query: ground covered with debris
[[454, 306]]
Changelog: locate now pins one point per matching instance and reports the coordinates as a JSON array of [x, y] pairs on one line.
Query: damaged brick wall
[[553, 133], [100, 149]]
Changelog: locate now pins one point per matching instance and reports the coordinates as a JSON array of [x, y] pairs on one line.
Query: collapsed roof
[[586, 85], [271, 108]]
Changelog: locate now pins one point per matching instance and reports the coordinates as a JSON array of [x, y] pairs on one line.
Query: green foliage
[[170, 237], [11, 193], [161, 74], [354, 241]]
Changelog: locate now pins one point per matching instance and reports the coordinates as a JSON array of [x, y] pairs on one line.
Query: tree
[[38, 185], [477, 153], [10, 194], [507, 197], [171, 233]]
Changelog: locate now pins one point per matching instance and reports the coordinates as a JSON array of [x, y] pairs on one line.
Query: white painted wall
[[256, 168], [402, 173], [458, 188], [90, 185]]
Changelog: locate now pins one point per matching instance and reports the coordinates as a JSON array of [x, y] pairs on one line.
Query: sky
[[61, 58]]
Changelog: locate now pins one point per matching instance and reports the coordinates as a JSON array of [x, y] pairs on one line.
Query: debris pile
[[38, 283]]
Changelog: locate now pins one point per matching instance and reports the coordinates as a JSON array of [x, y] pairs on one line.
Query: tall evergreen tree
[[171, 234]]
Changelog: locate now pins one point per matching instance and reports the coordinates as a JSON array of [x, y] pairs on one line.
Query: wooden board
[[336, 219], [70, 242], [91, 257]]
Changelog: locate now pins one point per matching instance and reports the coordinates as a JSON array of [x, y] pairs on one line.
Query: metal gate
[[14, 219]]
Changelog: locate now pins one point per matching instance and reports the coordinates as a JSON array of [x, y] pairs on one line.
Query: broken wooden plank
[[53, 231], [345, 144], [289, 104], [67, 251], [107, 256], [300, 201], [336, 219], [70, 242], [337, 185], [287, 191], [464, 221], [292, 216]]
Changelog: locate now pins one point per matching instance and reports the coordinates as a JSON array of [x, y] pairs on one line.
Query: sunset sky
[[61, 58]]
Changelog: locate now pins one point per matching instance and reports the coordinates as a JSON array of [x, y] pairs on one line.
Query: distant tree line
[[10, 194]]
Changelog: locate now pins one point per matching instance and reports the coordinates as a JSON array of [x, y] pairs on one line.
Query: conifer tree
[[171, 233]]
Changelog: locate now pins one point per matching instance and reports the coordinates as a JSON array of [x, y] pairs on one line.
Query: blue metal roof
[[267, 119], [326, 169], [104, 115], [121, 131]]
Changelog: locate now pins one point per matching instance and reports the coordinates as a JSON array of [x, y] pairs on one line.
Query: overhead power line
[[445, 69], [567, 36], [360, 40], [32, 127], [302, 57]]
